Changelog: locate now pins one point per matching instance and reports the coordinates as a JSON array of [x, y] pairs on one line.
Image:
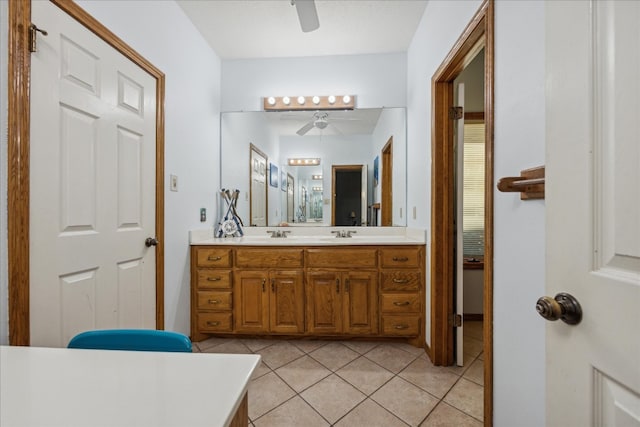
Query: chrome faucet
[[278, 233]]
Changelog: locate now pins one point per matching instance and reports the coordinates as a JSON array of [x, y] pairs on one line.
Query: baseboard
[[473, 317]]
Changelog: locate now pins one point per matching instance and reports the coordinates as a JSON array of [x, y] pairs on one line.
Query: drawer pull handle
[[214, 258], [213, 323], [214, 279], [400, 281], [214, 301], [402, 326], [400, 258], [400, 304]]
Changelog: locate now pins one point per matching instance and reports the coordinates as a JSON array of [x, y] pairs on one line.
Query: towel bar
[[530, 184]]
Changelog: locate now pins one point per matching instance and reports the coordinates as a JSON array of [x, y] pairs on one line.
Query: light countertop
[[315, 236], [72, 387]]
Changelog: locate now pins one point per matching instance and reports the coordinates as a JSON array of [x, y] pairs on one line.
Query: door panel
[[324, 303], [258, 188], [360, 302], [252, 310], [593, 206], [92, 189], [287, 302]]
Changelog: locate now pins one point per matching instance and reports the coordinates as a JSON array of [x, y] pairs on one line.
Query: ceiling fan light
[[286, 100], [332, 99], [316, 100], [271, 100], [346, 99], [301, 100]]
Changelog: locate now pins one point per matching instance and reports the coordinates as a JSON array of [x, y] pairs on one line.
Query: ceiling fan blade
[[307, 14], [306, 128]]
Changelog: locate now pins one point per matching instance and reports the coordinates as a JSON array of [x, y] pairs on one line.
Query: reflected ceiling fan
[[319, 120], [307, 14]]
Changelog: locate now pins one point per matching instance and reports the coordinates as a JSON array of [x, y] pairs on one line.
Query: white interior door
[[364, 175], [290, 204], [92, 189], [460, 227], [593, 211], [258, 189]]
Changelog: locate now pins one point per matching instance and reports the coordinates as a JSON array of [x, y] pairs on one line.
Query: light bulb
[[286, 100], [301, 100], [346, 99], [332, 99], [271, 101], [316, 100]]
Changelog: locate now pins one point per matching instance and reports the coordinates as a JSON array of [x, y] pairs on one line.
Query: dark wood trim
[[474, 116], [19, 119], [478, 34], [473, 317], [386, 182], [18, 158]]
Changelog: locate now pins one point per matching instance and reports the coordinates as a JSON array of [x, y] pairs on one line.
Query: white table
[[70, 387]]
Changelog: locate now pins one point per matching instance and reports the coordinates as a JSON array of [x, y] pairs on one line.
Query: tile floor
[[346, 383]]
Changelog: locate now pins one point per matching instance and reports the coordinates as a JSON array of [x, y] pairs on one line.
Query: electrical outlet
[[173, 182]]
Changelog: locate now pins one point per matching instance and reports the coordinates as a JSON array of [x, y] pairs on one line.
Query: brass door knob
[[563, 306], [151, 241]]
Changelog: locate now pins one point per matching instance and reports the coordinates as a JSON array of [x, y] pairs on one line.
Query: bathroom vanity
[[310, 284]]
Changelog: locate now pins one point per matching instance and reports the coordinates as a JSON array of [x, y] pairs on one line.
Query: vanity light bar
[[316, 177], [288, 103], [303, 162], [317, 189]]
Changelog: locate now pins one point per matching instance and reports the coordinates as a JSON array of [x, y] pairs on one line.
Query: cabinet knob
[[401, 303], [400, 281], [214, 301], [214, 279], [400, 258], [402, 326], [213, 323], [214, 258]]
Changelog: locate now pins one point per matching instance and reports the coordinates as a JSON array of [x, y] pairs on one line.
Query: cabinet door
[[360, 301], [252, 301], [324, 303], [287, 302]]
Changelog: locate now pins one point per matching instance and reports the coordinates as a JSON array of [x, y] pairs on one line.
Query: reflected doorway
[[258, 190], [290, 203], [347, 190], [387, 184]]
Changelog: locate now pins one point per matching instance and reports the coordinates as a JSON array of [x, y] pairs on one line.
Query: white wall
[[519, 244], [4, 282], [376, 80], [162, 33]]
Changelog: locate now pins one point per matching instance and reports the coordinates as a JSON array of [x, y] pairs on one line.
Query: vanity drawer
[[400, 303], [400, 325], [339, 257], [267, 258], [214, 322], [401, 280], [214, 257], [214, 300], [214, 279], [400, 257]]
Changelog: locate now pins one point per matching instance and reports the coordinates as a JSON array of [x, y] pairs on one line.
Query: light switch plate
[[173, 182]]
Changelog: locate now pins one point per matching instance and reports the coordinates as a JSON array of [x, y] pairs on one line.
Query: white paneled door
[[593, 211], [92, 202], [259, 173]]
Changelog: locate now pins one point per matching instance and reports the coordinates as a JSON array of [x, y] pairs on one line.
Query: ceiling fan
[[307, 14], [319, 120]]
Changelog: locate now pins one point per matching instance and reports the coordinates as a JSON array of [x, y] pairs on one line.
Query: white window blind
[[473, 192]]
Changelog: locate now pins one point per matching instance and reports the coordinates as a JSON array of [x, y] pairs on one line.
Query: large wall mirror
[[341, 168]]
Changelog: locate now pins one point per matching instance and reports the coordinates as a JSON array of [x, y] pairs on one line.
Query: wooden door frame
[[478, 33], [386, 190], [293, 202], [18, 158], [334, 169], [266, 184]]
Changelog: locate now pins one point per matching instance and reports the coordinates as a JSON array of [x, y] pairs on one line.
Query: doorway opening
[[387, 184], [346, 187], [258, 208], [478, 35]]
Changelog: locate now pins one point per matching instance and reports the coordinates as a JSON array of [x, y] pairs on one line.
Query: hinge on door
[[33, 29], [455, 320], [455, 113]]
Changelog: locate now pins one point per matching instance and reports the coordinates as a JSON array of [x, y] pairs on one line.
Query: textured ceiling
[[270, 29]]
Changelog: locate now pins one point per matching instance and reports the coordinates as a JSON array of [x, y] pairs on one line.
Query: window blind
[[473, 190]]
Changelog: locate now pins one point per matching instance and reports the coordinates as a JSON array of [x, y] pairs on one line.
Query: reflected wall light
[[319, 189], [303, 161], [316, 177], [315, 102]]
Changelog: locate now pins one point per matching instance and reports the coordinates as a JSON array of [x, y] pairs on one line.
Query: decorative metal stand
[[230, 225]]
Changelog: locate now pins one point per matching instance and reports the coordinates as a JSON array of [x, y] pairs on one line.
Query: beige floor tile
[[447, 416], [211, 342], [473, 329], [229, 347], [365, 375], [404, 400], [390, 357], [309, 345], [302, 373], [293, 413], [361, 346], [334, 355], [437, 380], [261, 370], [266, 393], [416, 351], [279, 354], [370, 414], [256, 345], [472, 346], [481, 355], [460, 370], [332, 397], [475, 372], [468, 397]]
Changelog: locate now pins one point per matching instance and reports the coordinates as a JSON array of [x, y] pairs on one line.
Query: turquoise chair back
[[132, 339]]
